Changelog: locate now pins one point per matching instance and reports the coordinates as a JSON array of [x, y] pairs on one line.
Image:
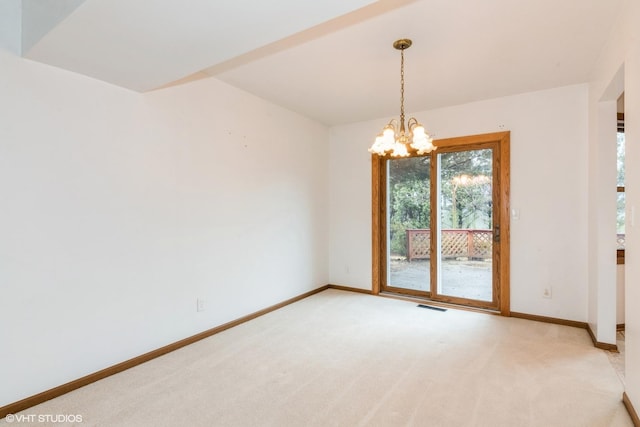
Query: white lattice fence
[[418, 244], [621, 240], [455, 243], [482, 243]]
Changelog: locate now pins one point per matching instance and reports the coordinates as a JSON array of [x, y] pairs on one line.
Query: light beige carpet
[[346, 359], [617, 359]]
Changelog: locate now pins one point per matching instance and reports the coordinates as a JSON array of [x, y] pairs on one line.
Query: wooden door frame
[[379, 197]]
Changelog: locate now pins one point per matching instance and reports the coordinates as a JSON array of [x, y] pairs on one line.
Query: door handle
[[496, 233]]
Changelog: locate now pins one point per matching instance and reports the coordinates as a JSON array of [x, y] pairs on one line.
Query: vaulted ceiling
[[330, 60]]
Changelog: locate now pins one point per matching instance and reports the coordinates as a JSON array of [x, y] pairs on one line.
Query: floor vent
[[430, 307]]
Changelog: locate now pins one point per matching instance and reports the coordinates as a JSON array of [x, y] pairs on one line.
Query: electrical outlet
[[546, 293], [200, 304]]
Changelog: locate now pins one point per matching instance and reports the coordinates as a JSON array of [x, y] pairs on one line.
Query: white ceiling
[[330, 60]]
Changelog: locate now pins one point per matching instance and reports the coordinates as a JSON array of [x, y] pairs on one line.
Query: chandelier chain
[[402, 88]]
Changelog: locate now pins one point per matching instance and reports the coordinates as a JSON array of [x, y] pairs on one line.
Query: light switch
[[515, 214]]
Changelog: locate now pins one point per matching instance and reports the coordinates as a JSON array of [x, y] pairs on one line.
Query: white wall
[[548, 186], [620, 300], [118, 210], [632, 251], [622, 52], [602, 216]]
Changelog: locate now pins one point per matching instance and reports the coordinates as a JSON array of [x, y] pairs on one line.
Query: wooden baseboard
[[421, 300], [28, 402], [632, 411], [535, 317], [575, 324], [602, 345], [409, 298], [545, 319], [350, 289]]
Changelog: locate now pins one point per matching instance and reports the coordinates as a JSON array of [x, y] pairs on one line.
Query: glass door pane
[[465, 229], [408, 222]]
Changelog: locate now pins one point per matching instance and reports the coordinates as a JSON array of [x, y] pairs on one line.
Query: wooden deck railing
[[472, 244]]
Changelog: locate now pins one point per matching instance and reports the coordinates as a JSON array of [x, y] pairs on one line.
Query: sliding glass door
[[440, 234], [465, 228], [408, 225]]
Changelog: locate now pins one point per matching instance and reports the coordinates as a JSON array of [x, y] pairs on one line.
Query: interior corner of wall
[[615, 87]]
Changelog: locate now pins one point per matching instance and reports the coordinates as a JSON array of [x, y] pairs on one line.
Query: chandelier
[[395, 138]]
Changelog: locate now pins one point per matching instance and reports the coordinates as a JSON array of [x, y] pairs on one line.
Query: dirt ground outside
[[460, 277]]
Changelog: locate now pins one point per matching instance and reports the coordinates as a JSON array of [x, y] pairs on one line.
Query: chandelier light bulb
[[378, 146], [418, 131], [399, 150], [388, 132]]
